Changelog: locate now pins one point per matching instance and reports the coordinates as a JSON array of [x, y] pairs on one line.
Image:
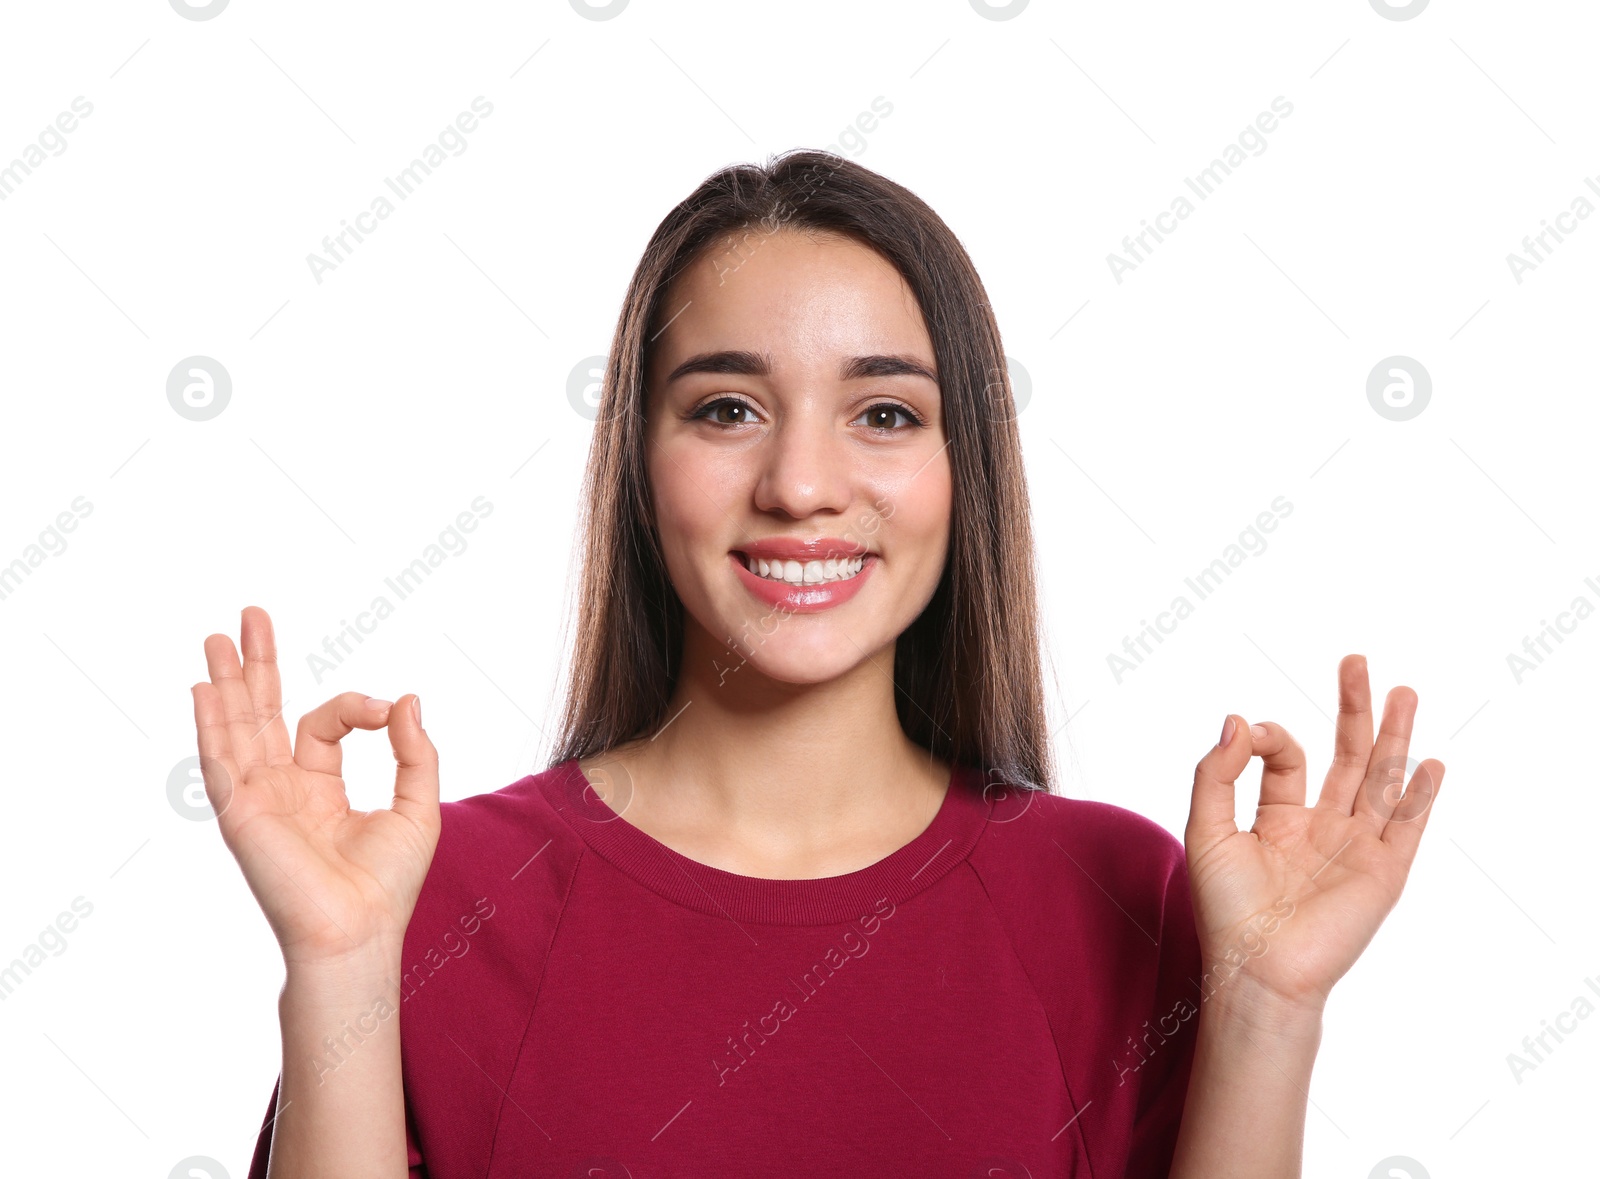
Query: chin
[[801, 672], [805, 664]]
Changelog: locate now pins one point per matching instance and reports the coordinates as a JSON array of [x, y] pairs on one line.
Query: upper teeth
[[795, 573]]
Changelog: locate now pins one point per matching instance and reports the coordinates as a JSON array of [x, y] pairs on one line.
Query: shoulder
[[506, 851], [501, 830], [1092, 873], [1033, 826]]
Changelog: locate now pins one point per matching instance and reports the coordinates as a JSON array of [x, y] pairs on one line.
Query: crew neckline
[[904, 872]]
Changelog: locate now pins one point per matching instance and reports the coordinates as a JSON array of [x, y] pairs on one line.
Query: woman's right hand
[[332, 881]]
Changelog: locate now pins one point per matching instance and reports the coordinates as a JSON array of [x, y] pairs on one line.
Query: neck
[[774, 779]]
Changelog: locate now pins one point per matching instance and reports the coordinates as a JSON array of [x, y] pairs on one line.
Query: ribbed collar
[[942, 845]]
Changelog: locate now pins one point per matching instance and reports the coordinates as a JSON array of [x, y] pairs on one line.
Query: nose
[[806, 466]]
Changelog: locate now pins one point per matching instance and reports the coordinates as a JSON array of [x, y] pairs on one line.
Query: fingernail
[[1258, 732], [1227, 733], [378, 705], [416, 710]]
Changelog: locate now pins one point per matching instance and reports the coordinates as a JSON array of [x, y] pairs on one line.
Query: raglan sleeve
[[1164, 1080], [258, 1161]]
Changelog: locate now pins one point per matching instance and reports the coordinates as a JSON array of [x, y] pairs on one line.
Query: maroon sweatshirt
[[1011, 995]]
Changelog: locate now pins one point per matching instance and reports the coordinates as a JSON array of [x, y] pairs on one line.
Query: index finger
[[316, 742]]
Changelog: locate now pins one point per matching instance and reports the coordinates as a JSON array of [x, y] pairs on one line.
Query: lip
[[802, 599], [783, 548]]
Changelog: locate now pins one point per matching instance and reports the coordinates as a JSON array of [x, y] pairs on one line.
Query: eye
[[878, 411], [734, 403], [875, 413]]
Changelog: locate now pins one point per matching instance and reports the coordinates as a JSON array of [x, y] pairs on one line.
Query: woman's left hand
[[1284, 909]]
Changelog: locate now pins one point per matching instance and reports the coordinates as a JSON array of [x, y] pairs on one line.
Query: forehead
[[805, 298]]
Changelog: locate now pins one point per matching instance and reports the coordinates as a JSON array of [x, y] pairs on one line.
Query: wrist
[[359, 975], [1249, 1007]]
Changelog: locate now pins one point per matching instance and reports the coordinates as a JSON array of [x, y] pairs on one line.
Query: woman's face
[[783, 405]]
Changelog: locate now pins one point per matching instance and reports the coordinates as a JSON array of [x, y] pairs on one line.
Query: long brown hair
[[966, 671]]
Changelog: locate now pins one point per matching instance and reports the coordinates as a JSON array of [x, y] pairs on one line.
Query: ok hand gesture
[[332, 881], [1284, 909]]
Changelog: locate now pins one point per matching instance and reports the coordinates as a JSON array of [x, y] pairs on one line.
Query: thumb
[[416, 775], [1211, 806]]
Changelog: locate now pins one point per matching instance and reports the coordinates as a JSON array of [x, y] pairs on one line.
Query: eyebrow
[[738, 362]]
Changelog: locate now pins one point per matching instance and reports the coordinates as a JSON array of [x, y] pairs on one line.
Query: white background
[[1166, 411]]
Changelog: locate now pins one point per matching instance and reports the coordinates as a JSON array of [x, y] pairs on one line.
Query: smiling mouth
[[803, 573]]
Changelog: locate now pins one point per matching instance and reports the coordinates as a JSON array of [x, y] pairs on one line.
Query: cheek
[[913, 513], [691, 505], [929, 529]]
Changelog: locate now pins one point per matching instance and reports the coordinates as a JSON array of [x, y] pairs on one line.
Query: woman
[[793, 896]]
